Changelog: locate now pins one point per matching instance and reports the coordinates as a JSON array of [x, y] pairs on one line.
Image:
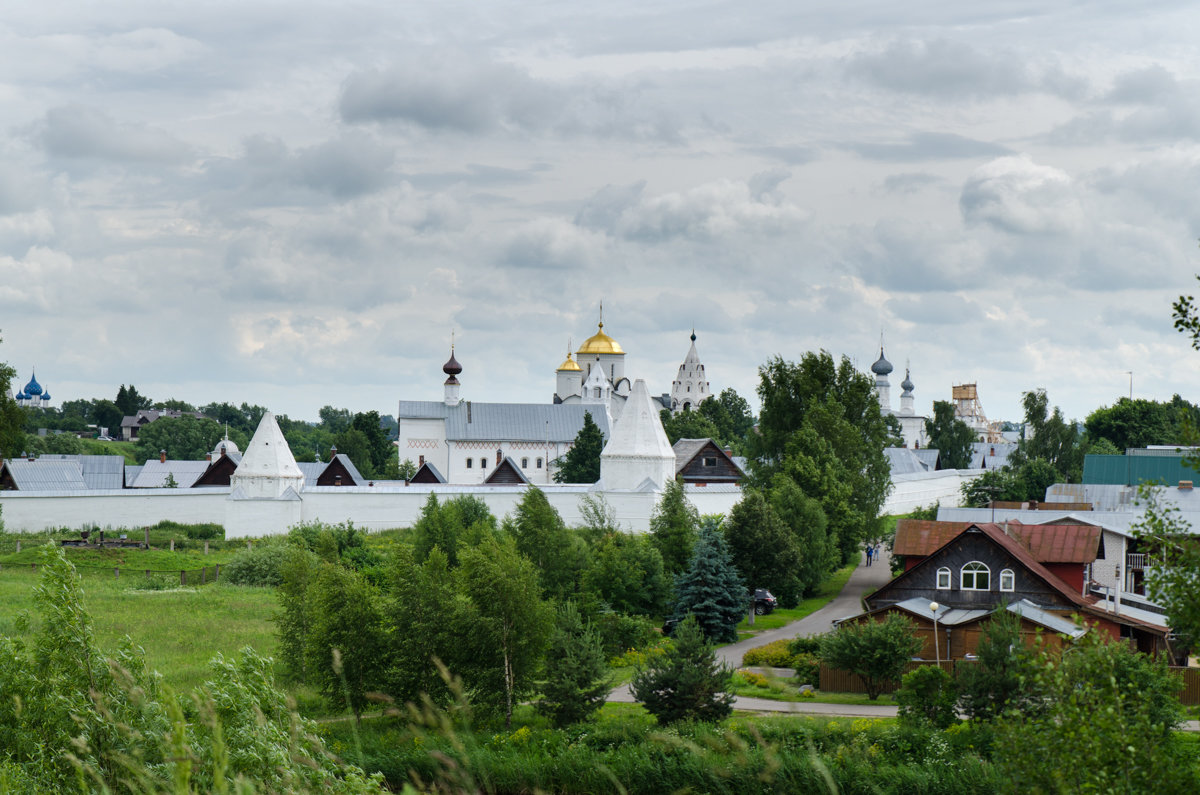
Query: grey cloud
[[481, 175], [909, 183], [792, 155], [764, 186], [604, 209], [80, 132], [937, 309], [1151, 85], [1017, 196], [928, 146], [941, 68]]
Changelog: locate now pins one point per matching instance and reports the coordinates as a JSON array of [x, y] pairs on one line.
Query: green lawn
[[180, 630], [828, 590]]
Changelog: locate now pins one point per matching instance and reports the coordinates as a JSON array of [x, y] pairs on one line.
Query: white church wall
[[33, 511], [423, 438], [923, 489]]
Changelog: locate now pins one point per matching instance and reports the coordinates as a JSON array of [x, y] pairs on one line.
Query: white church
[[912, 425]]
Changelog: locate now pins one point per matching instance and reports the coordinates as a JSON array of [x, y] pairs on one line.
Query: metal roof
[[154, 474], [46, 475], [314, 469], [99, 471], [990, 455], [945, 616], [1047, 543], [503, 422], [905, 462], [1130, 470], [131, 474], [1053, 621]]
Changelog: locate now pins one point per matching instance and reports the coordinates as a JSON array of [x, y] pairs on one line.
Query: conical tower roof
[[268, 454], [638, 432]]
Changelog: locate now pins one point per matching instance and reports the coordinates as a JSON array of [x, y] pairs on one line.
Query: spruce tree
[[711, 589], [582, 462], [688, 682], [577, 677], [673, 527]]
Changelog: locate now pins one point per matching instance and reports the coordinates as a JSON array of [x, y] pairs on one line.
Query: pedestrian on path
[[870, 552]]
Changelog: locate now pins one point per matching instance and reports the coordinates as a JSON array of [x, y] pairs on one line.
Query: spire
[[637, 449], [267, 468]]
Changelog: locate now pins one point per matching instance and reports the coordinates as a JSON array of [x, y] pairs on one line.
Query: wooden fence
[[837, 681]]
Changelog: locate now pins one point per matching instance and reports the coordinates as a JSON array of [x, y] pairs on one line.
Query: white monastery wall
[[923, 489], [34, 511]]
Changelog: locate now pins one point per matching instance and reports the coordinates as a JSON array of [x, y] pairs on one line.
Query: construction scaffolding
[[969, 409]]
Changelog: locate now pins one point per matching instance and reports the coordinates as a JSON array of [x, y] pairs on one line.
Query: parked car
[[764, 602]]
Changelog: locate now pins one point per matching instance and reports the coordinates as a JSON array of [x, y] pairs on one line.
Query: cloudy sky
[[294, 204]]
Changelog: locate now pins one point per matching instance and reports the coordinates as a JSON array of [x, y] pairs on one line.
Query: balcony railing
[[1135, 560]]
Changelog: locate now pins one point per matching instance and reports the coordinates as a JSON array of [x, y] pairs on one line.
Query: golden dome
[[599, 343], [569, 364]]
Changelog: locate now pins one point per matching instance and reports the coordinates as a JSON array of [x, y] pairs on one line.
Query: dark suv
[[764, 602]]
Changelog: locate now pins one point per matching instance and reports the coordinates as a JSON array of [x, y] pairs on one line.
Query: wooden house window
[[943, 579], [710, 462], [976, 577], [1008, 580]]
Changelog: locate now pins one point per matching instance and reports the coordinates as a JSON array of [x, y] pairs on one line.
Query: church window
[[524, 463], [483, 463], [1008, 580], [539, 463], [943, 579], [689, 387], [597, 391], [470, 461], [976, 577]]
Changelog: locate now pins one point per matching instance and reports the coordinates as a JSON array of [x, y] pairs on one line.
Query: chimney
[[208, 456], [222, 451], [1033, 505], [420, 461], [333, 452], [498, 457], [31, 456], [1185, 485], [162, 456]]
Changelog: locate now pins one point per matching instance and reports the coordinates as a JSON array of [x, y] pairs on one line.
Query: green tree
[[687, 424], [688, 682], [626, 571], [543, 538], [805, 519], [673, 527], [12, 419], [927, 696], [509, 624], [426, 616], [577, 681], [172, 404], [1003, 677], [130, 402], [394, 469], [875, 651], [763, 549], [1108, 709], [347, 644], [294, 621], [731, 415], [105, 414], [1133, 423], [380, 448], [581, 464], [185, 438], [1000, 485], [64, 444], [950, 436], [1175, 581], [711, 589], [1050, 437], [821, 425]]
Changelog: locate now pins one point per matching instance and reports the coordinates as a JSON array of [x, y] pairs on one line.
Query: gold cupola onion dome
[[569, 364], [599, 343]]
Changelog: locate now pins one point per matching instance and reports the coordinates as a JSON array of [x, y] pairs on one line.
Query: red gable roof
[[1047, 543]]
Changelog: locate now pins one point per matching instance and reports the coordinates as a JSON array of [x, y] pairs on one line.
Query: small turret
[[452, 368]]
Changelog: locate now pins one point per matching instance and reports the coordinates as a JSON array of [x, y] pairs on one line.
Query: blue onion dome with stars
[[33, 388]]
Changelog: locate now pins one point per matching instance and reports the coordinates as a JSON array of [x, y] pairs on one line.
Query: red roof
[[1047, 543]]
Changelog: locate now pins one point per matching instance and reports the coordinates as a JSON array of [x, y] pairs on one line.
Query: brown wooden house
[[702, 461], [506, 473], [973, 570], [427, 473]]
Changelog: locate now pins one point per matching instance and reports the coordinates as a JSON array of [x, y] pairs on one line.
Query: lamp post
[[933, 606]]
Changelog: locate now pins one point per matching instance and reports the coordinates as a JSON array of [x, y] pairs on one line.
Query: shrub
[[772, 655], [619, 632], [808, 669], [204, 532], [807, 644], [259, 565], [927, 697], [875, 651]]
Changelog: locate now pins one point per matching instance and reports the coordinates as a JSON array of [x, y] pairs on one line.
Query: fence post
[[217, 572], [147, 574], [203, 575], [147, 538], [206, 546], [182, 578], [116, 572], [18, 546], [172, 545]]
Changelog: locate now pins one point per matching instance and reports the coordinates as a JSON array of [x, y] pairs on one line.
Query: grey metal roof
[[131, 474], [500, 422], [1102, 496], [99, 471], [991, 455], [154, 474], [313, 469], [905, 462], [1053, 621], [946, 617], [46, 475]]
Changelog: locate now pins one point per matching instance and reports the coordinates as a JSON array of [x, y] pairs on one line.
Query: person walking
[[870, 552]]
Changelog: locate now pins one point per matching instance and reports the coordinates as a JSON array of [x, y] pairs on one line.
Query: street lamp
[[936, 649]]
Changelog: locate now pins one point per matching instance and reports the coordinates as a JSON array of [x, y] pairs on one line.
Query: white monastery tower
[[882, 368], [267, 469], [638, 454], [690, 387]]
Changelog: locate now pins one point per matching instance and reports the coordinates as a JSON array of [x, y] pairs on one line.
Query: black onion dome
[[452, 367], [883, 366]]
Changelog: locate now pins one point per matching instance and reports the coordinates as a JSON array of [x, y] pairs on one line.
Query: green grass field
[[180, 629]]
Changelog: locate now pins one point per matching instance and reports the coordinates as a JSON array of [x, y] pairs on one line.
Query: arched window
[[976, 577], [1008, 580], [524, 463], [943, 579], [539, 463], [483, 463]]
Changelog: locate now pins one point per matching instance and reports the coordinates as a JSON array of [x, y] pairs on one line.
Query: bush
[[927, 697], [204, 532], [808, 644], [619, 633], [808, 669], [260, 565], [772, 655], [875, 651]]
